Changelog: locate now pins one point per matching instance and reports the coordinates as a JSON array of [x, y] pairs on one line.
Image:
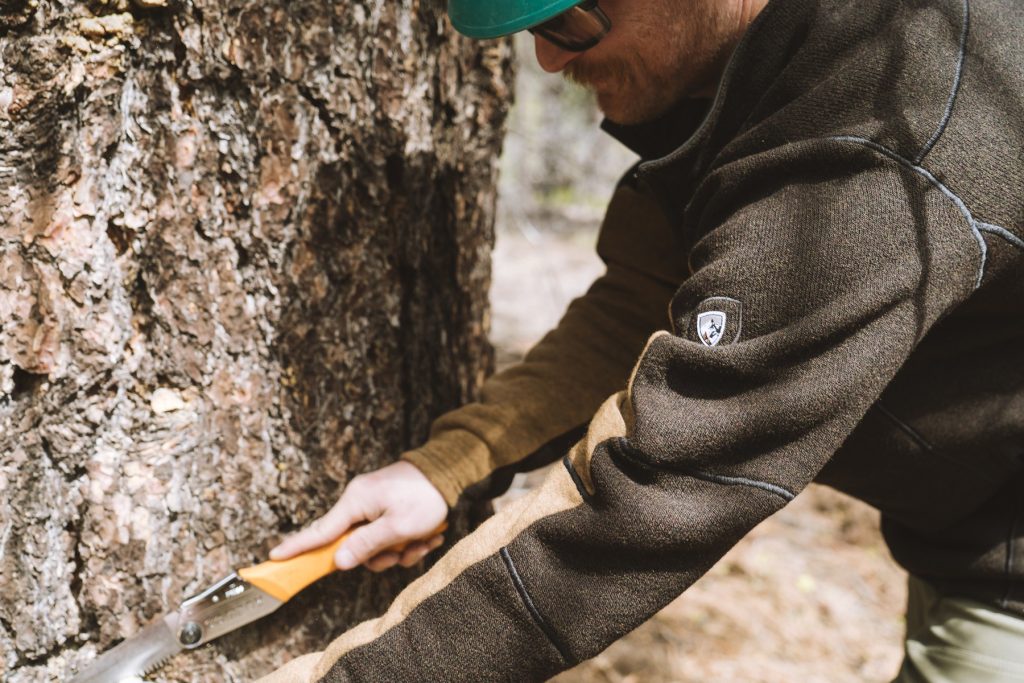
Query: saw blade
[[136, 656]]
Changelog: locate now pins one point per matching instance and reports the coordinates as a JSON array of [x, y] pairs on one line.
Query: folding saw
[[240, 598]]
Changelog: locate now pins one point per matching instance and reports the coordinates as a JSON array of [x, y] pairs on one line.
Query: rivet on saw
[[191, 633]]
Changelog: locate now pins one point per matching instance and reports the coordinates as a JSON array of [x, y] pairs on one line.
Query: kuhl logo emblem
[[710, 327]]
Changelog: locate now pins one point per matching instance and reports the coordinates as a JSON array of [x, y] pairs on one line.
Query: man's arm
[[526, 412], [841, 260], [527, 415]]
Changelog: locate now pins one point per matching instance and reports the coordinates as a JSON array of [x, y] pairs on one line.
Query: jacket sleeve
[[830, 262], [529, 414]]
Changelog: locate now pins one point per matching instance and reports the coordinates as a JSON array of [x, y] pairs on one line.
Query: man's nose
[[551, 57]]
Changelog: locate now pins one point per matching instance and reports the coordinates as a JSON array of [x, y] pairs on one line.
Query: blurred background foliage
[[558, 167], [558, 170]]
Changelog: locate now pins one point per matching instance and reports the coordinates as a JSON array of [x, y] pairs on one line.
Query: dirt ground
[[811, 595]]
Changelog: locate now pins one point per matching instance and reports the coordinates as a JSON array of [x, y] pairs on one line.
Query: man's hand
[[400, 505]]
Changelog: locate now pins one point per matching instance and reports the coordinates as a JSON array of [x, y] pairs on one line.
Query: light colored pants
[[957, 640]]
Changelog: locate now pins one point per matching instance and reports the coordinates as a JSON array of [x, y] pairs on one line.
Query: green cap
[[495, 18]]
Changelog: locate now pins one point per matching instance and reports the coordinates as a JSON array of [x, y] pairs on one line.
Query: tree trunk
[[243, 255]]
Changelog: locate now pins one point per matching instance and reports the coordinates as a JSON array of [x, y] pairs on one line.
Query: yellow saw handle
[[284, 578]]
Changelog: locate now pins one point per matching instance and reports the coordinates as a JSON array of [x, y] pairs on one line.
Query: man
[[829, 205]]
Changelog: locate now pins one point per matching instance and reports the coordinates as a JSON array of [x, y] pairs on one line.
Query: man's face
[[657, 52]]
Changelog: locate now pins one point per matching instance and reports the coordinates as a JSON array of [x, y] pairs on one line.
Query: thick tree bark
[[243, 256]]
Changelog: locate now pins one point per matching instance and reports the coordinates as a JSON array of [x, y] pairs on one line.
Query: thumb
[[321, 532], [366, 542]]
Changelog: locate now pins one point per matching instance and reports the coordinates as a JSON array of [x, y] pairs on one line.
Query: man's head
[[656, 52]]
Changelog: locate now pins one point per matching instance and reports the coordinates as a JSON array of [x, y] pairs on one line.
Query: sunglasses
[[578, 28]]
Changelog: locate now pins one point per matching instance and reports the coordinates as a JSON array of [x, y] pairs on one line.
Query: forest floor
[[811, 595]]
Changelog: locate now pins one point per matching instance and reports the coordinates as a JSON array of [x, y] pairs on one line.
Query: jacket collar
[[657, 138], [688, 124]]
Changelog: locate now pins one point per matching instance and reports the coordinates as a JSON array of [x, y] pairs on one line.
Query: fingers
[[367, 542], [412, 554], [321, 532], [385, 560], [400, 504], [417, 551]]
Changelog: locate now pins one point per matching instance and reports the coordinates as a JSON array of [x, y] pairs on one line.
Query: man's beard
[[643, 86], [583, 73], [627, 91]]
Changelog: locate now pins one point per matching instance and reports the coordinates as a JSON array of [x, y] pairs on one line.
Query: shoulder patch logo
[[715, 321], [710, 327]]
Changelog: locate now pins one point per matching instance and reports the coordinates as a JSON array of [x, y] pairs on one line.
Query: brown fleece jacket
[[846, 226]]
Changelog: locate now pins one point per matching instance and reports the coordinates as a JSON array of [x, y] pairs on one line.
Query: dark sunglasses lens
[[578, 28]]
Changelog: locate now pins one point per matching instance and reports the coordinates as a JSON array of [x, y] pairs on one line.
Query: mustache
[[583, 72]]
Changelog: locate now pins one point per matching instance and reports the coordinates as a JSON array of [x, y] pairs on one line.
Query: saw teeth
[[154, 666]]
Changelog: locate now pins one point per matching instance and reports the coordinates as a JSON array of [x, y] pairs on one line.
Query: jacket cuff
[[452, 461]]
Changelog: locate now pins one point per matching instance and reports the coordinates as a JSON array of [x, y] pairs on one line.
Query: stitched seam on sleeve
[[1002, 232], [948, 113], [576, 479], [743, 481], [629, 452], [1010, 549], [912, 433], [538, 618], [938, 184]]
